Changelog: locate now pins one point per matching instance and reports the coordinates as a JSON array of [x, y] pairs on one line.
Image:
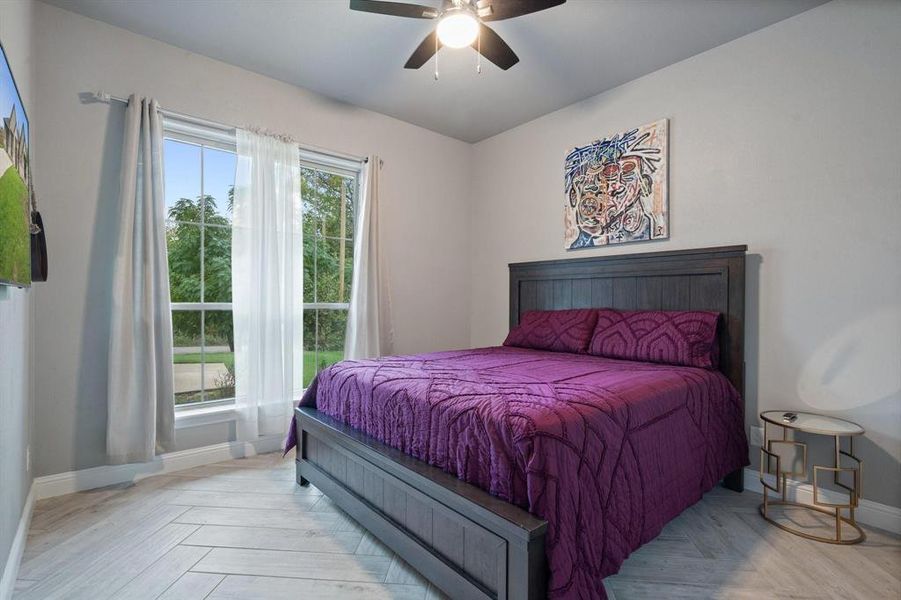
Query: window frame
[[210, 411], [342, 167], [195, 135]]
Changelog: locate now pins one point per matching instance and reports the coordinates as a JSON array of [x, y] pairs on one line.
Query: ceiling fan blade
[[507, 9], [494, 48], [396, 9], [424, 51]]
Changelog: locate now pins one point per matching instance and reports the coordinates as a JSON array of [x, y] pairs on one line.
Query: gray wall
[[423, 194], [788, 140], [15, 317]]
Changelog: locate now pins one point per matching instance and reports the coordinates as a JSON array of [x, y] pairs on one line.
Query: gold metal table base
[[831, 509], [861, 536]]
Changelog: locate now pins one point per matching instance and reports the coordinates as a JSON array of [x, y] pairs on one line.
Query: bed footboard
[[465, 541]]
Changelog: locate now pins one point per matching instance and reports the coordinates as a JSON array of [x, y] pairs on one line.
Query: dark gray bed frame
[[467, 542]]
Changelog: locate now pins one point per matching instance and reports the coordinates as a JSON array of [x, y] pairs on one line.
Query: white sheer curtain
[[267, 283], [369, 333], [141, 412]]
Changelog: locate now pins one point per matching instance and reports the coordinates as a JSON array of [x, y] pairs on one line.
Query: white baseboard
[[11, 569], [868, 512], [88, 479]]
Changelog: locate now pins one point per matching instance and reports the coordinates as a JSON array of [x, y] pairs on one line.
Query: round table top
[[813, 423]]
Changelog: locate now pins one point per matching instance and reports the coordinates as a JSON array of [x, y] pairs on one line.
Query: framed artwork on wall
[[15, 205], [616, 189]]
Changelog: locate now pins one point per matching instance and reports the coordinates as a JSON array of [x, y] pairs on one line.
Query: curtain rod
[[108, 98]]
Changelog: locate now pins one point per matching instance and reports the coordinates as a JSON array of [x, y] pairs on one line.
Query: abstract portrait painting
[[616, 189]]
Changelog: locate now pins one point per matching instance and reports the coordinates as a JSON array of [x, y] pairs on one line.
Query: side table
[[819, 425]]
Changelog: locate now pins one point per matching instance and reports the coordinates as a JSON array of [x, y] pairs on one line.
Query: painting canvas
[[15, 213], [616, 189]]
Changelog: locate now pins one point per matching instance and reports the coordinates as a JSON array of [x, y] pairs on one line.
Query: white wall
[[788, 140], [423, 193], [15, 316]]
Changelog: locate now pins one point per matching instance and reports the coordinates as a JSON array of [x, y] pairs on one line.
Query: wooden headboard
[[699, 279]]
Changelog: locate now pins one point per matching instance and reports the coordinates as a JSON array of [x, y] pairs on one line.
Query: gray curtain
[[141, 418], [369, 332]]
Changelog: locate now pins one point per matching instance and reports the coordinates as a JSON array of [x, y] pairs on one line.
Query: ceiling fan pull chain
[[479, 53], [436, 57]]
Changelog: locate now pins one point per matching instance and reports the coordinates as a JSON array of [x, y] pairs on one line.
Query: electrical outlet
[[756, 436]]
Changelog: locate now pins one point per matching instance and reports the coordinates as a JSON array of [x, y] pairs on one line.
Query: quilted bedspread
[[606, 451]]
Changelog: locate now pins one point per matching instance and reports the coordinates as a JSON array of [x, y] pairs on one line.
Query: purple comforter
[[607, 451]]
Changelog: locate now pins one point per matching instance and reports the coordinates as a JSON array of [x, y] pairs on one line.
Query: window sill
[[205, 415]]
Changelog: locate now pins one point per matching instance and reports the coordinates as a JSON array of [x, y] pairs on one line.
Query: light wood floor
[[243, 530]]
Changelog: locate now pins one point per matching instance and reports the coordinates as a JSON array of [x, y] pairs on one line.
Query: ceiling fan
[[461, 23]]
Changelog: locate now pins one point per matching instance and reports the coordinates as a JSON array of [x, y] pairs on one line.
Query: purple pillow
[[674, 337], [555, 330]]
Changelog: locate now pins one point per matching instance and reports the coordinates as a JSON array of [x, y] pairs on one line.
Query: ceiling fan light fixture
[[458, 29], [460, 23]]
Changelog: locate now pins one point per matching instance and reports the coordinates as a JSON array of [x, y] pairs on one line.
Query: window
[[199, 178], [329, 193], [199, 171]]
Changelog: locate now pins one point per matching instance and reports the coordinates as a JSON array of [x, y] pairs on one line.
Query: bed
[[517, 473]]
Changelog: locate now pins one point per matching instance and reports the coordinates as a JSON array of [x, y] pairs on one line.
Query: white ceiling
[[567, 53]]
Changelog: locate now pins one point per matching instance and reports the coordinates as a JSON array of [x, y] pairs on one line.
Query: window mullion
[[202, 280], [316, 238], [326, 305], [176, 306]]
